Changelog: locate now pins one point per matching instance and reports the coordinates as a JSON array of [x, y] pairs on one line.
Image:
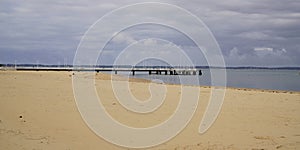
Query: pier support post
[[200, 72]]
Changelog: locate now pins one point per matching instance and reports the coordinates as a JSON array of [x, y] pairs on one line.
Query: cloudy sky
[[249, 32]]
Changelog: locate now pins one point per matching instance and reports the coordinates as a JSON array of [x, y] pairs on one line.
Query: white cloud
[[107, 6], [149, 42], [262, 56], [263, 49], [254, 35], [123, 37], [235, 57]]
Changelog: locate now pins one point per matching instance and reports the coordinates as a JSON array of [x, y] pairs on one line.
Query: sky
[[249, 32]]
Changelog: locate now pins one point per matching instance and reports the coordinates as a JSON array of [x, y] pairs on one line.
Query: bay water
[[272, 79]]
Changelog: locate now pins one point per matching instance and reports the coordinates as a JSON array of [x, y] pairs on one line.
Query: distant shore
[[38, 111], [3, 66]]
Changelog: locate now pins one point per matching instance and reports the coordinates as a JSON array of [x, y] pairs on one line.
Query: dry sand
[[38, 111]]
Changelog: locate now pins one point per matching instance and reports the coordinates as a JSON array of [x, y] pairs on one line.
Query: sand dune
[[38, 111]]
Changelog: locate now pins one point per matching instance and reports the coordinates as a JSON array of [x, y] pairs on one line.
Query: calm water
[[243, 78]]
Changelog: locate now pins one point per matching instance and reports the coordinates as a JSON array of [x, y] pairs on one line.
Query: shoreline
[[134, 79]]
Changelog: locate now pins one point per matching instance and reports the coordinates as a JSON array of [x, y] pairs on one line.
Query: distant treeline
[[139, 66]]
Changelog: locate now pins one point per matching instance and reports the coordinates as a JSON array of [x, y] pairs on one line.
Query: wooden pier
[[133, 70]]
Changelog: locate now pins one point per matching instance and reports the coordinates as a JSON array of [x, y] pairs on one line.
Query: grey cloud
[[36, 29]]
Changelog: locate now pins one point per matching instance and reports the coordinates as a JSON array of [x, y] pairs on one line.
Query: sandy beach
[[38, 111]]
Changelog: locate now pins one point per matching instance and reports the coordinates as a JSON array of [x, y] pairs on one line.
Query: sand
[[38, 111]]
